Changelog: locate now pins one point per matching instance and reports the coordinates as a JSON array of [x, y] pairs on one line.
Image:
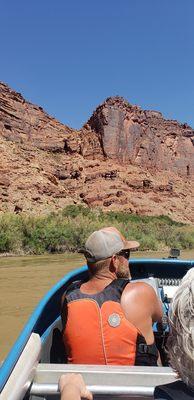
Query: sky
[[69, 56]]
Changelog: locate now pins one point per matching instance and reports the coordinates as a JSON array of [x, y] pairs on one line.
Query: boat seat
[[57, 351], [53, 350]]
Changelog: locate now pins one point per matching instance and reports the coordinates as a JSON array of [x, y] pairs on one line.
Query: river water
[[24, 280]]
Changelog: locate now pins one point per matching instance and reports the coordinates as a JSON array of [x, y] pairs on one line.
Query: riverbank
[[67, 230]]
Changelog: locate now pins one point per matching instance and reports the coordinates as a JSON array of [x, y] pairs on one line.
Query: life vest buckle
[[143, 348]]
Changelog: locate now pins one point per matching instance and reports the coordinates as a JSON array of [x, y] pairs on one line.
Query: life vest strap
[[147, 349]]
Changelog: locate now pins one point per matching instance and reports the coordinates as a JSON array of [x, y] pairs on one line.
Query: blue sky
[[69, 56]]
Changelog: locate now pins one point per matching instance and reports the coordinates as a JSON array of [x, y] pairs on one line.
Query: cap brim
[[81, 250], [86, 254], [131, 245]]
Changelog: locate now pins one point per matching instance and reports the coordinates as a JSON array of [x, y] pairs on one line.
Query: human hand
[[72, 386]]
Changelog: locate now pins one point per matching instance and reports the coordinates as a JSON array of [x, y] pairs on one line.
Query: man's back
[[103, 323], [139, 303], [108, 314]]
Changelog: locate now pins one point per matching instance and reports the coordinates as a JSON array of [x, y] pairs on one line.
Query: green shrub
[[10, 234], [68, 229]]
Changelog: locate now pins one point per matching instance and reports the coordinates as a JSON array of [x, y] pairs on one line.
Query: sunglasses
[[124, 253]]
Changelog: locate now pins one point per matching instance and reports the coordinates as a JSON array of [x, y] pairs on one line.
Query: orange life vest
[[97, 331]]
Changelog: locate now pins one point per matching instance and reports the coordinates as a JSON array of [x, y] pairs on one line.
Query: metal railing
[[132, 382]]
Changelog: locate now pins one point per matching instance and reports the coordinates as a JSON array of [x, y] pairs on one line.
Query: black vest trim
[[112, 292]]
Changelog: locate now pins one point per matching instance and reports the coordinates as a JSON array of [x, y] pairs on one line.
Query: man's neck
[[98, 282]]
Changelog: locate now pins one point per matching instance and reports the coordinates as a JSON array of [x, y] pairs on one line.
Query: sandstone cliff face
[[131, 135], [124, 158]]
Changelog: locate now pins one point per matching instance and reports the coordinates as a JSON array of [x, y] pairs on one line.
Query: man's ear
[[113, 264]]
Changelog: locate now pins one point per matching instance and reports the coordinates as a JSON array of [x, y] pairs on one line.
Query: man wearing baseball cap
[[108, 319]]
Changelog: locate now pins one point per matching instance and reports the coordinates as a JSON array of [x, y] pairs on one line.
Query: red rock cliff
[[131, 135], [124, 158]]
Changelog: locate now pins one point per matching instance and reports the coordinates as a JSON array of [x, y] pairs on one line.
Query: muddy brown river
[[23, 282]]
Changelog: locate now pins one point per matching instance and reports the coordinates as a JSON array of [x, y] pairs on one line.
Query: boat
[[35, 362]]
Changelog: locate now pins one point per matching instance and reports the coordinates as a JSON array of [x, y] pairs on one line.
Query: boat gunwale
[[31, 325], [15, 352]]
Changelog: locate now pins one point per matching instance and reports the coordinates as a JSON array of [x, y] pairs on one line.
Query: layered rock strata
[[124, 158]]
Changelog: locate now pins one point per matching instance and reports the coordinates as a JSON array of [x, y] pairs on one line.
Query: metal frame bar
[[103, 380]]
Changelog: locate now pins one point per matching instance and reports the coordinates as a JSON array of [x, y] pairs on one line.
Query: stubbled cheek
[[123, 272]]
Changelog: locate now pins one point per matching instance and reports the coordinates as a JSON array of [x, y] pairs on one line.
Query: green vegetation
[[68, 229]]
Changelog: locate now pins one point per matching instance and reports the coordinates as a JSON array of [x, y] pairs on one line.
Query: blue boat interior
[[46, 320]]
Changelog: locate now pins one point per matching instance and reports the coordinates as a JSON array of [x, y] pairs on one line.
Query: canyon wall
[[123, 158]]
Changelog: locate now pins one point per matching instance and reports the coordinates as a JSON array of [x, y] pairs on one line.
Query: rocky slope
[[124, 158]]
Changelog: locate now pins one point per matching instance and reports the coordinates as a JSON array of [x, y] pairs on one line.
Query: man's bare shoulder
[[139, 288], [143, 294]]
